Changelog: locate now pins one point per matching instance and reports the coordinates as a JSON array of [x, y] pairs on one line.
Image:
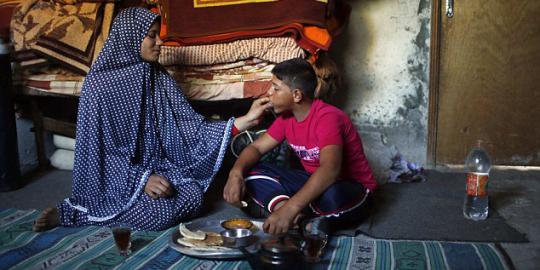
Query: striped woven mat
[[94, 248]]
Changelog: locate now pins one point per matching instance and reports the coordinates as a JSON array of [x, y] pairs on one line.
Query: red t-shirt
[[325, 125]]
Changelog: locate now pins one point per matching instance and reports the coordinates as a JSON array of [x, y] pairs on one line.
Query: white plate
[[220, 252]]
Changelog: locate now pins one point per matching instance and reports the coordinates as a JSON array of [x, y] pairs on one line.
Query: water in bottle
[[477, 166]]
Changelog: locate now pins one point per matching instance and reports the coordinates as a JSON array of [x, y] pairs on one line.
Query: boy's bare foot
[[47, 220]]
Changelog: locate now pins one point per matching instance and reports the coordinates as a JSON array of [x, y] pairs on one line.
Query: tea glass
[[122, 238], [313, 245]]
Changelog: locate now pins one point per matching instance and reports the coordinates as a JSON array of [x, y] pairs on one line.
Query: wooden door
[[485, 81]]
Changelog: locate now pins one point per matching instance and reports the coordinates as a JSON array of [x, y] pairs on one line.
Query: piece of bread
[[213, 241]]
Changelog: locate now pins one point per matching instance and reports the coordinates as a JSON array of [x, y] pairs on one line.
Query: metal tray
[[218, 253]]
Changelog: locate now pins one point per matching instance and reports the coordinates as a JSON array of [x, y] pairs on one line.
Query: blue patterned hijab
[[134, 121]]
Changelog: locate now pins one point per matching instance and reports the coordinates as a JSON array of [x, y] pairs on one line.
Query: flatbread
[[213, 241]]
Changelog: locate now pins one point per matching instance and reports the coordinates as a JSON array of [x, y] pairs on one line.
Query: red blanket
[[204, 17], [5, 16]]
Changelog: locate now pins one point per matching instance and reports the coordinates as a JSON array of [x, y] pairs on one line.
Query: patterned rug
[[94, 248]]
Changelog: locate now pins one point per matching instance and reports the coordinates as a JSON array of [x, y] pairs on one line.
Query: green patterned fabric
[[94, 248]]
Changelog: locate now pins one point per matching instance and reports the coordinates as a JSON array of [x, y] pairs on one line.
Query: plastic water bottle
[[477, 166]]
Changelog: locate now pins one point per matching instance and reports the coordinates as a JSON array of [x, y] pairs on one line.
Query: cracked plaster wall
[[383, 55]]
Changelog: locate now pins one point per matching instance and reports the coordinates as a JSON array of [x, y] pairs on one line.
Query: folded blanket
[[248, 64], [60, 83], [43, 72], [310, 38], [272, 49], [58, 87], [204, 17], [72, 2], [209, 92], [70, 34], [243, 74], [227, 91], [54, 77], [241, 79], [9, 2]]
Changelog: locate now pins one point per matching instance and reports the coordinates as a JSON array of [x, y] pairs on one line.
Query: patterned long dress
[[134, 121]]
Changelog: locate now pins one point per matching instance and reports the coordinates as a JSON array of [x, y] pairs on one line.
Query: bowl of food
[[237, 238], [237, 223]]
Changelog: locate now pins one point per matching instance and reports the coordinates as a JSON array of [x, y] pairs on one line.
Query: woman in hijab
[[143, 156]]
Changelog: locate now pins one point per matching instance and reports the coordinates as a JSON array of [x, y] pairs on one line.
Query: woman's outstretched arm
[[253, 117]]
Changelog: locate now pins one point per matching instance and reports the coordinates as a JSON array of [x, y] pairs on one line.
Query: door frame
[[433, 91]]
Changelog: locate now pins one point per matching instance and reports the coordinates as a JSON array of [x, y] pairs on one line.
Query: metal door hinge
[[449, 8]]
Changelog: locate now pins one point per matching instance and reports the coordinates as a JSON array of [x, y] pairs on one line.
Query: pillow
[[63, 159]]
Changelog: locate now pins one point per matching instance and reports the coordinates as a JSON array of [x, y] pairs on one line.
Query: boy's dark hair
[[297, 73]]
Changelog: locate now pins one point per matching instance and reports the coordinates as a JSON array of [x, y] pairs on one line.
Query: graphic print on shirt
[[312, 154]]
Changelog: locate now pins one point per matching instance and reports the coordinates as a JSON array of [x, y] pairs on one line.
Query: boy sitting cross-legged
[[337, 182]]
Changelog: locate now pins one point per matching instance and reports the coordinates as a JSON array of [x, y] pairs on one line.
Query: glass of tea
[[122, 238], [313, 245]]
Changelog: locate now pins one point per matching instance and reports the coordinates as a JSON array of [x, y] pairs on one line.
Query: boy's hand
[[234, 189], [280, 220], [158, 187]]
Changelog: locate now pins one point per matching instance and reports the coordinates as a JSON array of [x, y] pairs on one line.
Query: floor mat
[[93, 248], [432, 210]]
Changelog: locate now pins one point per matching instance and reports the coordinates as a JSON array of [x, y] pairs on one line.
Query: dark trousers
[[343, 203]]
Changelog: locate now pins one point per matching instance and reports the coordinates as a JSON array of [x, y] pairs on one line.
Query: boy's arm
[[330, 166], [234, 189]]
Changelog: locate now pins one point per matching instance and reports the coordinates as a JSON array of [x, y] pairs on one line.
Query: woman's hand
[[158, 187], [253, 117], [234, 189]]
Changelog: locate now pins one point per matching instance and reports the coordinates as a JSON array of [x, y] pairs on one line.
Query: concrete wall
[[384, 55]]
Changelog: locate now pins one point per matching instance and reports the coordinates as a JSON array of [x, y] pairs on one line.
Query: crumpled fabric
[[402, 171]]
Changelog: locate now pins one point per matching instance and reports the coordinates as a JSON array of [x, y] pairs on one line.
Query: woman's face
[[151, 45]]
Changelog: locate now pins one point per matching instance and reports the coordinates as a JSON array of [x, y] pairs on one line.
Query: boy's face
[[280, 96]]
